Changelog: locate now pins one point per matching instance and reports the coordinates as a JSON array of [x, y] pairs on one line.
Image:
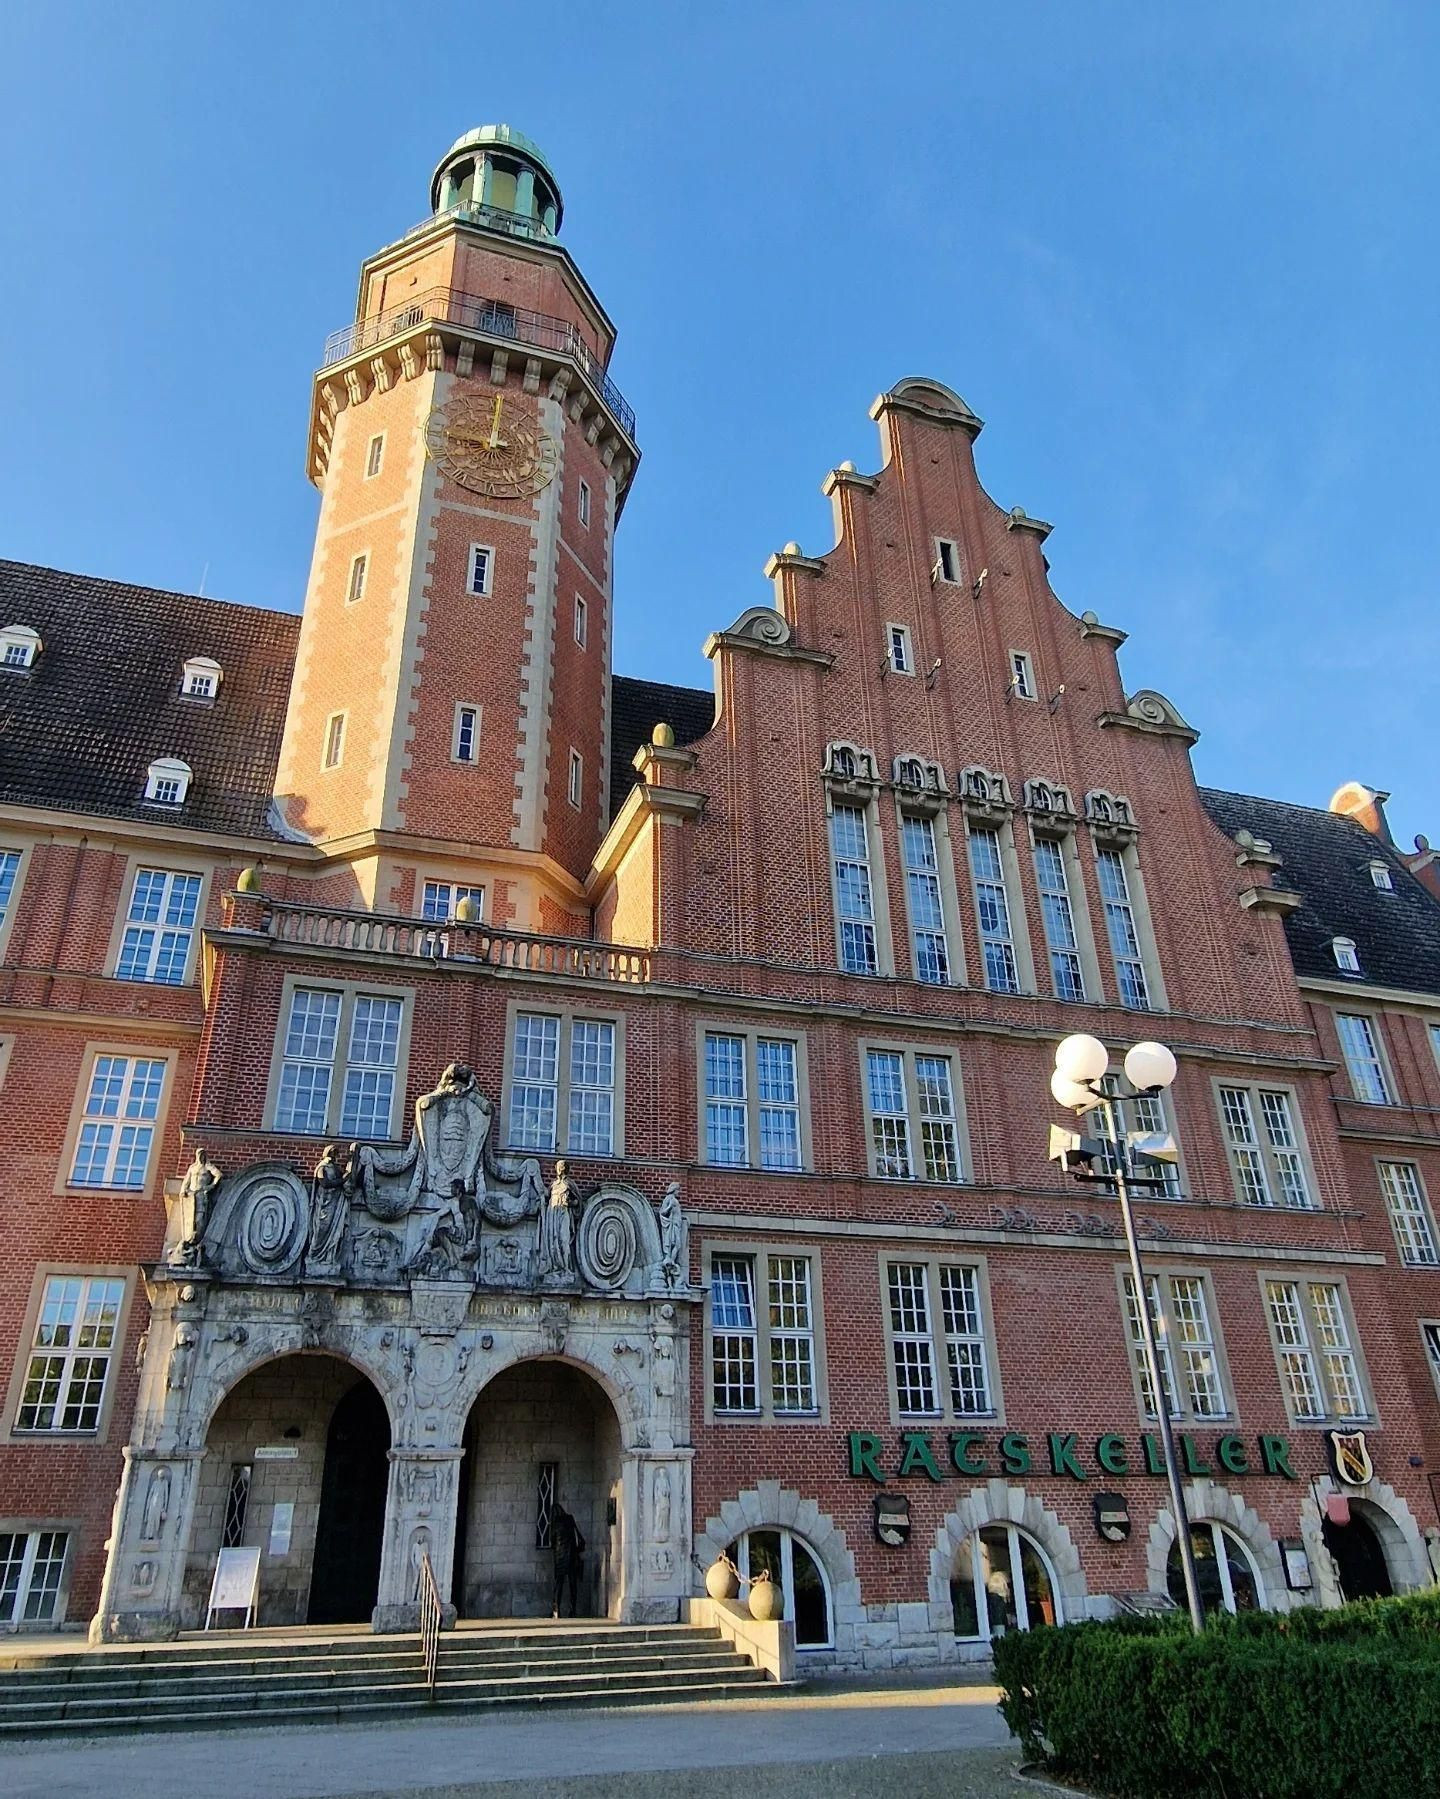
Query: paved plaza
[[838, 1738]]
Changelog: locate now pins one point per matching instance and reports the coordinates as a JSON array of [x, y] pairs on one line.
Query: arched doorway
[[540, 1437], [1224, 1571], [296, 1465], [1359, 1557], [351, 1524], [1001, 1579], [796, 1569]]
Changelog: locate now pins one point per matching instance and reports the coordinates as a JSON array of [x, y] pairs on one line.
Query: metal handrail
[[428, 1594], [495, 318]]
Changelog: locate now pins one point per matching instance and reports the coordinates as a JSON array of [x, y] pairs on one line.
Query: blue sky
[[1182, 260]]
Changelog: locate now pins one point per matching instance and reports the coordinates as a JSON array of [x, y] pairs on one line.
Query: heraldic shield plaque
[[892, 1519]]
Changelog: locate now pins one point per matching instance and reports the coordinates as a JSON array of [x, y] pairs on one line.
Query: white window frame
[[910, 1141], [356, 579], [1120, 910], [931, 1331], [200, 678], [1430, 1340], [926, 898], [133, 1122], [1365, 1065], [374, 456], [19, 646], [439, 898], [1402, 1186], [164, 933], [1002, 941], [167, 781], [76, 1357], [1380, 877], [582, 630], [475, 712], [1193, 1368], [562, 1085], [56, 1594], [788, 1539], [1062, 924], [335, 1123], [332, 746], [12, 880], [1220, 1534], [575, 781], [480, 570], [1014, 1536], [760, 1343], [864, 926], [750, 1106], [899, 656], [1261, 1166], [582, 504], [1022, 676], [1300, 1342], [1347, 958]]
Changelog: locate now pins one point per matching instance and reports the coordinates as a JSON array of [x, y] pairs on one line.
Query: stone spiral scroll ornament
[[269, 1219], [608, 1245]]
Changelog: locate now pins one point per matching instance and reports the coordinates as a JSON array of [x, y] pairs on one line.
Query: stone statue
[[674, 1238], [202, 1177], [330, 1189], [555, 1242], [182, 1353], [157, 1506], [660, 1525]]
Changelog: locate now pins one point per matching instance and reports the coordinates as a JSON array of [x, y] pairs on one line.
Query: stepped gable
[[1326, 858], [79, 729], [636, 707]]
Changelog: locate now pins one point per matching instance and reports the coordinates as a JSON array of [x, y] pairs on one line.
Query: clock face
[[490, 446]]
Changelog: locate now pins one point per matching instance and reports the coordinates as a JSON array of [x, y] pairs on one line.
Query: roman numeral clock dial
[[492, 447]]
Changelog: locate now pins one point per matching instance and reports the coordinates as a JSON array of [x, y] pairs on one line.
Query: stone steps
[[212, 1685]]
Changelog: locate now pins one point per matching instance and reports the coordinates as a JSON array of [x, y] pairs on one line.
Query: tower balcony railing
[[492, 218], [462, 945], [495, 319]]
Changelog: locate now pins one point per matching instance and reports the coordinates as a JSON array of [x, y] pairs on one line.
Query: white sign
[[236, 1586], [277, 1452], [282, 1521]]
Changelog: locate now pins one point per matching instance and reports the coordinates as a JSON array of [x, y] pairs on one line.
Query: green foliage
[[1268, 1706]]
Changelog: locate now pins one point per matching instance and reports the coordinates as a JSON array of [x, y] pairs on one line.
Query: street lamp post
[[1080, 1065]]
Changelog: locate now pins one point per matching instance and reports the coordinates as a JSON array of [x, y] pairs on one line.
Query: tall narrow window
[[575, 786], [374, 455], [911, 1098], [581, 621], [465, 745], [947, 560], [927, 915], [117, 1128], [70, 1353], [1022, 676], [1430, 1336], [9, 873], [854, 902], [1266, 1157], [1180, 1313], [993, 910], [320, 1089], [744, 1129], [1409, 1213], [584, 502], [1059, 917], [1120, 924], [159, 927], [763, 1356], [900, 659], [1361, 1048], [956, 1381], [965, 1352], [32, 1568], [911, 1342], [355, 590], [1314, 1349], [562, 1084], [334, 740], [237, 1505], [735, 1384], [792, 1335], [546, 1481], [481, 570]]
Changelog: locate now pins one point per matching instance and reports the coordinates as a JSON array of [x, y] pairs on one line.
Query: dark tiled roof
[[636, 707], [79, 730], [1327, 861]]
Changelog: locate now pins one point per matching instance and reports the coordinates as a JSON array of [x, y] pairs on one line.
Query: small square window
[[1380, 877], [576, 787], [584, 502], [899, 655], [334, 740], [374, 455], [947, 560], [1346, 958], [356, 588], [1022, 677], [482, 568], [581, 611], [466, 744]]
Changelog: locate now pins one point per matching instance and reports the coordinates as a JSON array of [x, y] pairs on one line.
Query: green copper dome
[[511, 167]]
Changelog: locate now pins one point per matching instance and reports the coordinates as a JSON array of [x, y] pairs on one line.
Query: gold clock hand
[[495, 421]]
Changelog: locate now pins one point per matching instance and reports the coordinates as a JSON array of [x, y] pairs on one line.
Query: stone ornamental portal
[[430, 1270]]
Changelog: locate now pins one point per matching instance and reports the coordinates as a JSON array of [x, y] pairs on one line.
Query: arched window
[[1226, 1575], [790, 1561], [167, 781], [1001, 1580], [842, 762], [912, 772]]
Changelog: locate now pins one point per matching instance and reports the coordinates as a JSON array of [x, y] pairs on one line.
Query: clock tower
[[452, 683]]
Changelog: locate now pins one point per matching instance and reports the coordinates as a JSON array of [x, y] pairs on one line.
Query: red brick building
[[777, 970]]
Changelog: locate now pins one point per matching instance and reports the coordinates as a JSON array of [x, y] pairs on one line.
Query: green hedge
[[1267, 1706]]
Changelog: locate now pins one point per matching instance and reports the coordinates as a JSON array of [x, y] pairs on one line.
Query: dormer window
[[167, 781], [1380, 877], [200, 678], [1346, 960], [911, 772], [19, 646]]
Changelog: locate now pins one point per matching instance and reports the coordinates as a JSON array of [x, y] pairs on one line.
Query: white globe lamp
[[1070, 1094], [1149, 1065], [1081, 1058]]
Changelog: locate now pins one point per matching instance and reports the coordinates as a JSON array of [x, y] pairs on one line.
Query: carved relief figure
[[555, 1243], [674, 1238], [330, 1189], [660, 1510], [157, 1506], [197, 1194], [182, 1354]]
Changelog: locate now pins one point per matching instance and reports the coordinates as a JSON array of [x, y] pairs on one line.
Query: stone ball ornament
[[767, 1602], [721, 1580], [248, 880]]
